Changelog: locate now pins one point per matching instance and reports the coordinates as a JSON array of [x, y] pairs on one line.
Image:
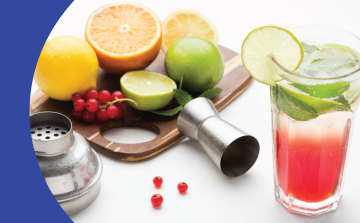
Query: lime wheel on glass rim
[[265, 43]]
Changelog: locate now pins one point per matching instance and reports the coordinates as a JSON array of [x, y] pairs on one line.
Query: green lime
[[265, 43], [150, 90], [198, 60], [320, 106]]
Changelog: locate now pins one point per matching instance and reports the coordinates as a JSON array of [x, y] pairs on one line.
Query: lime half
[[150, 90], [267, 42]]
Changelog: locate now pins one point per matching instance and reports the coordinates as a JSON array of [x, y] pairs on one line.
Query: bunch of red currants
[[103, 105]]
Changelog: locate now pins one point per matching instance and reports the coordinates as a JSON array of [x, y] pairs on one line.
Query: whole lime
[[198, 60]]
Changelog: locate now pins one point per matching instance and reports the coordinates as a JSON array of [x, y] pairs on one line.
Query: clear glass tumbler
[[311, 136]]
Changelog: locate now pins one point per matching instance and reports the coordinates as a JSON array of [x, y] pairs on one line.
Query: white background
[[127, 186]]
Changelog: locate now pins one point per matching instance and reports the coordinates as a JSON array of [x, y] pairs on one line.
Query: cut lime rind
[[150, 90]]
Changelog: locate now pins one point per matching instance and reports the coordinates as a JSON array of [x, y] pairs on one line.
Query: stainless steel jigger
[[233, 150], [71, 168]]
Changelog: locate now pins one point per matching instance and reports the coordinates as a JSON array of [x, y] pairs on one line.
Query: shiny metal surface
[[71, 168], [51, 133], [193, 115], [76, 205], [233, 151]]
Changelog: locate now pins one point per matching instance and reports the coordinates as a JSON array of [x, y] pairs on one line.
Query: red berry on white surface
[[157, 200], [182, 187], [157, 181]]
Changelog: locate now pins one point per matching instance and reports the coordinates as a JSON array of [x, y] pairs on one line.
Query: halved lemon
[[186, 22], [125, 36], [263, 44]]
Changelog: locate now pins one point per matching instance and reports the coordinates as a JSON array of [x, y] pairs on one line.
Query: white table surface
[[127, 186]]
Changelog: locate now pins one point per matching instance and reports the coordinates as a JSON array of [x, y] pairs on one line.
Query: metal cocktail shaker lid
[[233, 150], [71, 168]]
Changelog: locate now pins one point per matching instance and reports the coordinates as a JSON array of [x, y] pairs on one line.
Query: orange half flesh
[[125, 36]]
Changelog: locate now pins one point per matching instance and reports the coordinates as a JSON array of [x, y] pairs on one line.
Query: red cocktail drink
[[310, 157], [313, 110]]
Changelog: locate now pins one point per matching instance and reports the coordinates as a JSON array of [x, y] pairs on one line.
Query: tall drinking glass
[[313, 112]]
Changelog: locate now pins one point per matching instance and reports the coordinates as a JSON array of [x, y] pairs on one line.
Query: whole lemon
[[66, 65], [198, 60]]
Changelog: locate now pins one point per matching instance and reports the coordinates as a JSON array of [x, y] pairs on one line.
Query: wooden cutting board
[[236, 79]]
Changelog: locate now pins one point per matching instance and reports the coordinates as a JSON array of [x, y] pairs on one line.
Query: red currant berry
[[117, 95], [158, 181], [79, 105], [156, 200], [112, 111], [101, 115], [92, 105], [92, 93], [77, 114], [121, 113], [88, 116], [75, 97], [104, 96], [182, 187]]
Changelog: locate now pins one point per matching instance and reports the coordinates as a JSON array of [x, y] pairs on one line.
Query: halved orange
[[187, 22], [125, 36]]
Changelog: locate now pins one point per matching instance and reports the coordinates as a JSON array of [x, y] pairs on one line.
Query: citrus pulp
[[125, 36], [151, 91]]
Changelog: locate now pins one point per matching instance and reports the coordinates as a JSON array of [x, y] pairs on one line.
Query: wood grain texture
[[236, 79]]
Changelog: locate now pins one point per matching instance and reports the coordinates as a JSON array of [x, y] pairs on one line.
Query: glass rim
[[319, 78]]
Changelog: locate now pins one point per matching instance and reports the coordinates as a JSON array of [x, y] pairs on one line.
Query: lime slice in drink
[[331, 51], [320, 105], [350, 53], [265, 43], [299, 105], [352, 94], [150, 90]]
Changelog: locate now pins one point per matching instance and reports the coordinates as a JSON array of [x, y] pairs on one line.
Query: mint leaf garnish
[[341, 99], [324, 90], [170, 112], [334, 64], [308, 48], [211, 93], [293, 107], [182, 97]]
